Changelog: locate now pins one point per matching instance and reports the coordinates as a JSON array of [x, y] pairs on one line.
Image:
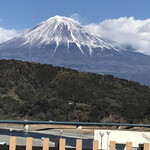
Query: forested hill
[[42, 92]]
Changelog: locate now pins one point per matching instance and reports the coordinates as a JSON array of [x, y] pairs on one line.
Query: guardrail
[[61, 144], [26, 122]]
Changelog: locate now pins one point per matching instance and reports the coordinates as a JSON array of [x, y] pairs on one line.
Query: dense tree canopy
[[43, 92]]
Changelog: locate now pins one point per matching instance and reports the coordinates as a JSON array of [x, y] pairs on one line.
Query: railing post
[[129, 146], [146, 146], [78, 144], [46, 144], [62, 144], [112, 145], [29, 143], [95, 144], [12, 143]]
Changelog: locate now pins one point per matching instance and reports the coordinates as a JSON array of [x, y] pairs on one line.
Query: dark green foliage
[[43, 92]]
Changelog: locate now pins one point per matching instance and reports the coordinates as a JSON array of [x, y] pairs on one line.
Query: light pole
[[107, 139], [10, 131], [42, 141], [60, 133], [101, 134]]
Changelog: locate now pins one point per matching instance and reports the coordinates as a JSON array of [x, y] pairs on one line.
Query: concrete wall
[[121, 137]]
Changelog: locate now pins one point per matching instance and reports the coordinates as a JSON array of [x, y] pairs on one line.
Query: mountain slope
[[64, 42], [44, 92]]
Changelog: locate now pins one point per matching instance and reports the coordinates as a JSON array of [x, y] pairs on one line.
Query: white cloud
[[135, 33], [79, 18], [7, 34], [76, 17]]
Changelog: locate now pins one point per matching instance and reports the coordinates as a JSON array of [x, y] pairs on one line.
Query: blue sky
[[22, 14]]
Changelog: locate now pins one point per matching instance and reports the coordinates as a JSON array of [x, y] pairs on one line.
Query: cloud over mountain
[[125, 31], [7, 34]]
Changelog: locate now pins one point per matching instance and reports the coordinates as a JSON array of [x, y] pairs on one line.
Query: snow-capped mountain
[[62, 30], [63, 41], [59, 31]]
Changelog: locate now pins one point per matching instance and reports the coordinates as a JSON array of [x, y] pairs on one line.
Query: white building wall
[[121, 137]]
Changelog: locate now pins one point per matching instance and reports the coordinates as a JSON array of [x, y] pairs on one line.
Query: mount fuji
[[63, 41]]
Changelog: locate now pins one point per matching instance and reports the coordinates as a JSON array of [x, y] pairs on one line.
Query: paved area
[[77, 133], [43, 129], [22, 141]]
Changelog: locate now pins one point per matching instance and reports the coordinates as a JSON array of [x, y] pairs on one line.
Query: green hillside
[[42, 92]]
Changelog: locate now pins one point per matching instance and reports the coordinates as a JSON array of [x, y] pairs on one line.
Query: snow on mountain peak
[[60, 30]]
